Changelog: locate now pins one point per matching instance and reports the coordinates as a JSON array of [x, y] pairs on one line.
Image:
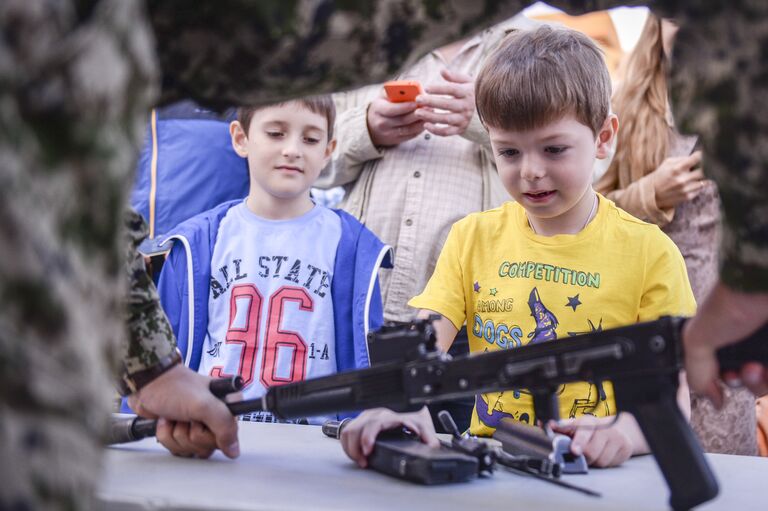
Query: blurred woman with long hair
[[655, 176]]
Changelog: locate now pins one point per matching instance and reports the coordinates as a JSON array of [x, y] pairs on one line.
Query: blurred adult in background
[[412, 169], [656, 176]]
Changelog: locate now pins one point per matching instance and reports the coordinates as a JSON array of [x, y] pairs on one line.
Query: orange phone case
[[400, 91]]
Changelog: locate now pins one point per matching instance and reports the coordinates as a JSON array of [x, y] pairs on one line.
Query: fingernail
[[233, 450]]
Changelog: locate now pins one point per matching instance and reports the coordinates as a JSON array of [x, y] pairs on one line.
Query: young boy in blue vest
[[560, 261], [275, 288]]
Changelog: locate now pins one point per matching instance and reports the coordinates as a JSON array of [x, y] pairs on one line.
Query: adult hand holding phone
[[390, 124], [678, 179], [447, 108]]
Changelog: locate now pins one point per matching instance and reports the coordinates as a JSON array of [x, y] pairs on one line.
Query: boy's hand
[[358, 437], [602, 445], [459, 107], [676, 181], [390, 123], [193, 420]]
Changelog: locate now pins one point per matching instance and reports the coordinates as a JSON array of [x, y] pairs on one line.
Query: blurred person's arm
[[152, 373], [354, 147], [653, 197]]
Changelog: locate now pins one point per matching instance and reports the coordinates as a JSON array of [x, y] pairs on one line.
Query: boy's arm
[[444, 293], [638, 199], [445, 331], [608, 444]]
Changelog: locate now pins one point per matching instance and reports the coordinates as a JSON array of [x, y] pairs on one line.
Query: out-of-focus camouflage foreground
[[77, 79]]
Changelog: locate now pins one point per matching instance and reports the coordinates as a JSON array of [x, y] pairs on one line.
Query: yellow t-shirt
[[514, 287]]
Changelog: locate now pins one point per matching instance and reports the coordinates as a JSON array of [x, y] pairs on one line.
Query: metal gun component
[[522, 440], [644, 377]]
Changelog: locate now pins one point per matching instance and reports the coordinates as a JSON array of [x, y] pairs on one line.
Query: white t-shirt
[[270, 312]]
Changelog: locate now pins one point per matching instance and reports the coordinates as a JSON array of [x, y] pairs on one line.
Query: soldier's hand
[[359, 436], [447, 108], [390, 123], [195, 422], [677, 180], [724, 317]]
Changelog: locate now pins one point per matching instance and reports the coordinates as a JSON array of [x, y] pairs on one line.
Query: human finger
[[692, 188], [350, 443], [180, 435], [455, 76], [443, 130], [165, 435], [458, 91], [441, 102], [405, 133], [202, 439], [424, 430], [566, 426], [594, 447], [389, 109], [692, 160], [696, 175], [615, 453], [394, 123], [449, 118], [217, 418], [386, 420], [581, 437]]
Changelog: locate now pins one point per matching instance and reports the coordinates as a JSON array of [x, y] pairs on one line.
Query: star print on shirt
[[477, 287], [573, 301], [493, 291]]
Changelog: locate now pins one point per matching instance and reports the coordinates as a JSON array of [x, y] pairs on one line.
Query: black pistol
[[398, 453]]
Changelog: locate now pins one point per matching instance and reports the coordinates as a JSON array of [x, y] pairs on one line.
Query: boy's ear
[[239, 138], [329, 150], [606, 136]]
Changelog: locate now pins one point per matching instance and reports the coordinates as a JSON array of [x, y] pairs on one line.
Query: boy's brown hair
[[535, 77], [321, 105]]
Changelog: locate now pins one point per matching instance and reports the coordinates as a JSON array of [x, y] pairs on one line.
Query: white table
[[286, 467]]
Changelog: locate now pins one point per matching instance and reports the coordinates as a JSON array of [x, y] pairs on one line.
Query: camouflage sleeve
[[150, 338], [719, 89]]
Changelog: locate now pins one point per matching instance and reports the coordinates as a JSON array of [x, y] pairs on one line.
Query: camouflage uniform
[[77, 79]]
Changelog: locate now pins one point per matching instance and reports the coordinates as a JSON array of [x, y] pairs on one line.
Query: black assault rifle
[[642, 361]]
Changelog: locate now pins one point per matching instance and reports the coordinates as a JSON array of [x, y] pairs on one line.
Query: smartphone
[[400, 91]]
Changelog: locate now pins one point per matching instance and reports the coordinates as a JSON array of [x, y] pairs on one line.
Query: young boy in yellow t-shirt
[[561, 260]]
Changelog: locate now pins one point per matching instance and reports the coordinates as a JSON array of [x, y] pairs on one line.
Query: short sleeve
[[444, 292], [667, 290]]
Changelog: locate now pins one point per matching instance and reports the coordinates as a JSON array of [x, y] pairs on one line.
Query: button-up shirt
[[410, 194]]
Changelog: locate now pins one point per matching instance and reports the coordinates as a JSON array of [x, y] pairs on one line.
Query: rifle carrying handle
[[676, 449], [752, 349]]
